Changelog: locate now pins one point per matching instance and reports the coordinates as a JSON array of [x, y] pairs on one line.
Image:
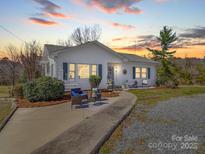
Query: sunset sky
[[127, 25]]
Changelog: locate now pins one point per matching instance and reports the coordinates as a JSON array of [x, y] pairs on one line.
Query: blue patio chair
[[78, 92], [77, 96]]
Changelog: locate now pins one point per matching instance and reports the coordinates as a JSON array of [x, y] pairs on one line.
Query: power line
[[11, 33]]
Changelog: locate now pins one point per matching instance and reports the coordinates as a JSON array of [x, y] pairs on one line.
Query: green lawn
[[152, 96], [5, 109], [4, 91], [5, 106], [149, 97]]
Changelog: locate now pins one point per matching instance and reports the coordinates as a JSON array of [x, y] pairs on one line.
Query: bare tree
[[86, 34], [11, 69], [30, 57], [67, 43]]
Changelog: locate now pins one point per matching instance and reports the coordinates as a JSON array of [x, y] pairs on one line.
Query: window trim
[[91, 67], [144, 72], [78, 70], [137, 72], [74, 71], [140, 72]]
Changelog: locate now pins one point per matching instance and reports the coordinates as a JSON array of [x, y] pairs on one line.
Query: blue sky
[[123, 22]]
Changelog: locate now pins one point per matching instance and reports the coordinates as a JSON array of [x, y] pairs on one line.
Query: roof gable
[[56, 49]]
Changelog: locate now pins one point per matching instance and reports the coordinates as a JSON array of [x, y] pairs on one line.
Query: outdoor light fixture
[[116, 68]]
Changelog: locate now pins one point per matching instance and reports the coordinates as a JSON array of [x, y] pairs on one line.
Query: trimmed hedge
[[43, 89]]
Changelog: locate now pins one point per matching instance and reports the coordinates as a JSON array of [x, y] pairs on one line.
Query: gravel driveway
[[173, 126]]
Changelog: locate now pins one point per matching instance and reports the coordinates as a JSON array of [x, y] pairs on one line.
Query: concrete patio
[[88, 136], [30, 128]]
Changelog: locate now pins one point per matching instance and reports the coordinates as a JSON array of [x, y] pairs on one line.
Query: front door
[[110, 76]]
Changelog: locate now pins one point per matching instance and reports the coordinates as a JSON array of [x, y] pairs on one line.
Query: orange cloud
[[118, 39], [133, 11], [58, 15], [42, 21], [112, 6], [103, 8], [130, 39], [49, 8], [192, 52], [128, 48], [122, 26]]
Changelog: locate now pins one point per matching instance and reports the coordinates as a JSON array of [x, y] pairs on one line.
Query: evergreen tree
[[167, 70]]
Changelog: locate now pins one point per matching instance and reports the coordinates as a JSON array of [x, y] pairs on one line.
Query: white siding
[[129, 66], [91, 54]]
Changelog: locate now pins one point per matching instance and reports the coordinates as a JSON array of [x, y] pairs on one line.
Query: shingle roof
[[129, 57], [136, 58], [53, 48]]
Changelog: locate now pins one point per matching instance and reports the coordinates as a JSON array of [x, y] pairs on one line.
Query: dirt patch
[[24, 103], [110, 94]]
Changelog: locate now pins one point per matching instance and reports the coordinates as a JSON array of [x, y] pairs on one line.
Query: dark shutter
[[65, 71], [133, 72], [100, 70], [149, 73]]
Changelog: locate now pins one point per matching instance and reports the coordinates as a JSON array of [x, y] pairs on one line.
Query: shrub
[[94, 81], [18, 90], [23, 78], [43, 89], [200, 79], [186, 77], [167, 76]]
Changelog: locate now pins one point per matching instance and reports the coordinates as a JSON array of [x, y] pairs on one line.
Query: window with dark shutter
[[65, 71], [100, 70], [133, 72], [149, 73]]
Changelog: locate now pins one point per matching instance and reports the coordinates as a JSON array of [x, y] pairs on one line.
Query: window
[[137, 72], [144, 73], [83, 71], [71, 71], [93, 69], [47, 68], [52, 70], [44, 69]]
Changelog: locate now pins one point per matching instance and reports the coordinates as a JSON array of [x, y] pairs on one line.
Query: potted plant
[[94, 81]]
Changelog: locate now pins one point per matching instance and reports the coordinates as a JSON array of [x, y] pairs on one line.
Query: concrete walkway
[[87, 136], [30, 128]]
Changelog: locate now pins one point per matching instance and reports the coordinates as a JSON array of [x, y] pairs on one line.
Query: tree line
[[173, 71], [24, 64]]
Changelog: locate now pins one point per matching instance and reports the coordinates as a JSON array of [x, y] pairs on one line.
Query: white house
[[75, 64]]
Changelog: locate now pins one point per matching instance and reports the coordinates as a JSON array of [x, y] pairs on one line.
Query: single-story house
[[75, 64]]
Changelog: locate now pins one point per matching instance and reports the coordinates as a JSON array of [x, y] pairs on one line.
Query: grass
[[5, 109], [201, 149], [4, 91], [150, 98], [5, 106]]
